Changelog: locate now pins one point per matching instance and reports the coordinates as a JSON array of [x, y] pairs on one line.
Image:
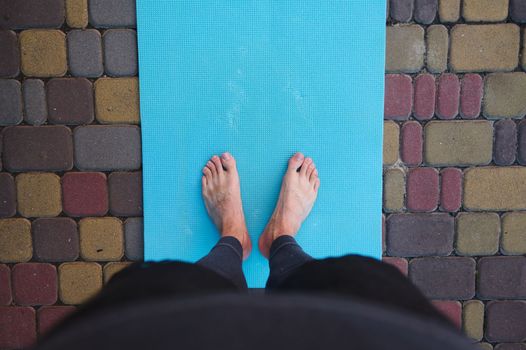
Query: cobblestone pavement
[[454, 187]]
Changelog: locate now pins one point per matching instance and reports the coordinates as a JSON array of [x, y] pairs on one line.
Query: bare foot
[[296, 198], [222, 195]]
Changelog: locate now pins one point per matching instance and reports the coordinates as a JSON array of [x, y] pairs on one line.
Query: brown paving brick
[[43, 53], [522, 143], [101, 239], [505, 142], [510, 346], [505, 95], [405, 49], [70, 101], [55, 239], [29, 148], [38, 194], [117, 100], [513, 240], [17, 327], [501, 277], [485, 10], [437, 40], [451, 309], [458, 142], [85, 194], [394, 190], [484, 48], [473, 319], [449, 10], [125, 191], [79, 281], [110, 269], [391, 142], [495, 188], [5, 285], [15, 240], [9, 54], [22, 14], [34, 284], [77, 13], [477, 233], [505, 321], [50, 316], [7, 195]]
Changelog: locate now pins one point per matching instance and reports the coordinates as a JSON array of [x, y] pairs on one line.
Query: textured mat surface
[[262, 79]]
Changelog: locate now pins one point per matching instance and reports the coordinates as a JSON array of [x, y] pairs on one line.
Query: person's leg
[[284, 258]]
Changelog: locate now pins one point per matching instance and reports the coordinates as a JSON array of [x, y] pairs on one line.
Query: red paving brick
[[398, 96], [425, 95], [50, 316], [17, 327], [472, 89], [451, 189], [34, 284], [448, 96], [85, 194], [412, 143], [5, 285], [422, 189], [451, 309]]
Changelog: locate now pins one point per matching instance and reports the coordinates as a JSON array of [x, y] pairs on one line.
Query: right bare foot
[[296, 198]]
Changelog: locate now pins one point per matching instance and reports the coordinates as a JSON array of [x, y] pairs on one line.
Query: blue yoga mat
[[262, 79]]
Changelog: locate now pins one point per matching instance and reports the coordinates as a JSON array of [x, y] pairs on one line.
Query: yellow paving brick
[[405, 48], [477, 234], [79, 281], [39, 194], [505, 95], [394, 190], [485, 10], [15, 240], [112, 268], [513, 240], [77, 13], [117, 100], [449, 10], [437, 48], [101, 239], [391, 142], [43, 53], [473, 319]]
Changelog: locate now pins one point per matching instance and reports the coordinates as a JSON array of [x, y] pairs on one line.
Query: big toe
[[295, 161], [229, 163]]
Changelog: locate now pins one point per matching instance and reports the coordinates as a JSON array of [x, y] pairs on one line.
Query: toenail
[[298, 156], [226, 156]]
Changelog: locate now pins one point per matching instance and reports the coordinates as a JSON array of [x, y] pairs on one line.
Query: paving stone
[[5, 285], [485, 346], [450, 189], [120, 52], [444, 278], [400, 263], [425, 92], [85, 53], [422, 189], [473, 319], [501, 277], [485, 10], [9, 54], [28, 148], [15, 240], [510, 346], [458, 142], [472, 89], [18, 327], [394, 190], [505, 142], [125, 190], [21, 14], [405, 49], [7, 195], [449, 10], [70, 101], [50, 316], [78, 281], [522, 143], [513, 240], [451, 309], [398, 96], [107, 147], [134, 242], [38, 194], [409, 235], [401, 10], [35, 103], [505, 95], [523, 54], [117, 100], [43, 53], [495, 188], [391, 142], [425, 11], [55, 239], [448, 96], [437, 48], [477, 234], [505, 321], [77, 13], [10, 102], [115, 13], [412, 142], [110, 269], [85, 194], [34, 284], [518, 11], [484, 48], [101, 239]]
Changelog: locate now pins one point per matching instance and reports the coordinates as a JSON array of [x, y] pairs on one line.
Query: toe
[[211, 167], [218, 165], [229, 163], [204, 181], [313, 176], [316, 184], [305, 166], [295, 161], [207, 172], [310, 170]]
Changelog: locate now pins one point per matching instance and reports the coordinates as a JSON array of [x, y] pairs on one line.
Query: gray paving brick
[[502, 277], [425, 11], [522, 142], [9, 54], [120, 52], [401, 10], [511, 346], [134, 243], [107, 147], [505, 142], [114, 13], [10, 102], [35, 105], [505, 321], [85, 53]]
